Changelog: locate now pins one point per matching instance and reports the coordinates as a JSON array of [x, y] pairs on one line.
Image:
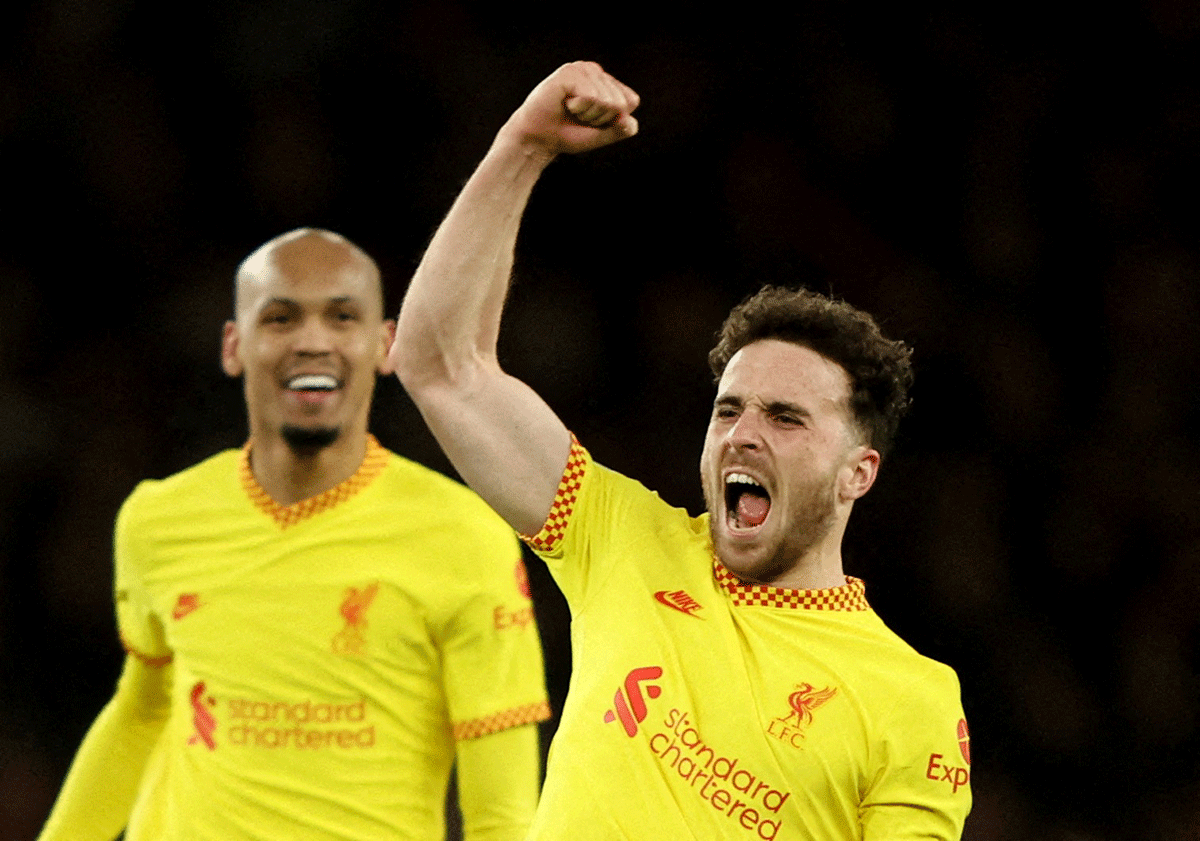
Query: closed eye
[[788, 414], [344, 311], [727, 409], [279, 312], [276, 318]]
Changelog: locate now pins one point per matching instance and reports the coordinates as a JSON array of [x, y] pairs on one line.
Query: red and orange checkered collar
[[373, 463], [851, 596]]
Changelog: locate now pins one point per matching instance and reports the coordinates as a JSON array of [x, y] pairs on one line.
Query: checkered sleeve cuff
[[551, 535], [516, 717]]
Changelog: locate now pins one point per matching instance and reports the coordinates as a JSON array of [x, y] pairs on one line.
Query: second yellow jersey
[[326, 656]]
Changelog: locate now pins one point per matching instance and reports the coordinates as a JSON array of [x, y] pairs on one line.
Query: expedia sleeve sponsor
[[926, 784]]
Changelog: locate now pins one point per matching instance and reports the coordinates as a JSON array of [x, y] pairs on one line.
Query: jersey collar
[[286, 516], [851, 596]]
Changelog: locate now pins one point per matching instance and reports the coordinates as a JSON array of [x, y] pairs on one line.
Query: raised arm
[[502, 438]]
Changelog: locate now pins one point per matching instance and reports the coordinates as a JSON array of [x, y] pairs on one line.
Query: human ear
[[230, 362], [385, 365], [859, 473]]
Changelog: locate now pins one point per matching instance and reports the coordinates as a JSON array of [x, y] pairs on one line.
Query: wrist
[[525, 154]]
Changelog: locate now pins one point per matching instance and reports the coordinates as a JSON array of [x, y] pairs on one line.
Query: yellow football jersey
[[326, 655], [701, 706]]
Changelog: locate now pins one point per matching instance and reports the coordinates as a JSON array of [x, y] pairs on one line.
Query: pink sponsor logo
[[629, 704], [942, 771], [203, 720], [522, 578]]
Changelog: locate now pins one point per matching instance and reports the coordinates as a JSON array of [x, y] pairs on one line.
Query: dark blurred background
[[1009, 187]]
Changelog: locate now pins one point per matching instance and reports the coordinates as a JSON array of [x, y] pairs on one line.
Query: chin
[[307, 440], [749, 563]]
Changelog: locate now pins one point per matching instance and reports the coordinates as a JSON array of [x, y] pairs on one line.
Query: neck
[[819, 569], [290, 477], [818, 566]]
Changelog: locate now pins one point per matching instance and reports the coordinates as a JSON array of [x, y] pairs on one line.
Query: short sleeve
[[923, 786], [596, 513], [549, 541], [140, 628], [492, 655]]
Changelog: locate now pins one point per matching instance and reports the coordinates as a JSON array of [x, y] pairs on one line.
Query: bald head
[[305, 254], [308, 339]]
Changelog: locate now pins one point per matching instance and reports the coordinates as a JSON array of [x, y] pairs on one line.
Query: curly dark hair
[[880, 369]]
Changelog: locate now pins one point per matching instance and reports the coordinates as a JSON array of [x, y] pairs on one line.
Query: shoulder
[[440, 503], [916, 681], [406, 479], [605, 486], [200, 481], [181, 506], [633, 506]]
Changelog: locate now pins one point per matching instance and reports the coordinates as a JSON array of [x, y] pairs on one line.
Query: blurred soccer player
[[729, 680], [317, 628]]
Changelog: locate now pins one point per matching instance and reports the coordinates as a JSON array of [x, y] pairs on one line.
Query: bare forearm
[[445, 349]]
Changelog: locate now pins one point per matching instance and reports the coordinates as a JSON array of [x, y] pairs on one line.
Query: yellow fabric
[[103, 781], [497, 779], [703, 707], [324, 654]]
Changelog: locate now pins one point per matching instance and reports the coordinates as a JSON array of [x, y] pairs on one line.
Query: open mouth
[[747, 503]]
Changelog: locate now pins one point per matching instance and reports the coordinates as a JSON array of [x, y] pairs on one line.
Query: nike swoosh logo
[[187, 603], [679, 600]]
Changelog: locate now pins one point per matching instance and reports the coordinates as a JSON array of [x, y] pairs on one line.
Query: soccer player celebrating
[[317, 629], [729, 680]]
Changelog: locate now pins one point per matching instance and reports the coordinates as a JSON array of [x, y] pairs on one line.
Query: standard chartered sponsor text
[[304, 725], [728, 787]]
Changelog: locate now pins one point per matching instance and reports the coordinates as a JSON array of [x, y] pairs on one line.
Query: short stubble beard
[[813, 518], [308, 441]]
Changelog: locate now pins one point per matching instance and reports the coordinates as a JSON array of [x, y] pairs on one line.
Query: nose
[[746, 433], [313, 337]]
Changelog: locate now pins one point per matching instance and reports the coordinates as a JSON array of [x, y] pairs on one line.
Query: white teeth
[[313, 382], [741, 479]]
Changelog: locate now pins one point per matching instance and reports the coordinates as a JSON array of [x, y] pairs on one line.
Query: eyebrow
[[292, 302], [775, 407], [277, 301]]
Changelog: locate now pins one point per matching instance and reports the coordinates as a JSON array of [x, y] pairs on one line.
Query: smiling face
[[782, 465], [308, 339]]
